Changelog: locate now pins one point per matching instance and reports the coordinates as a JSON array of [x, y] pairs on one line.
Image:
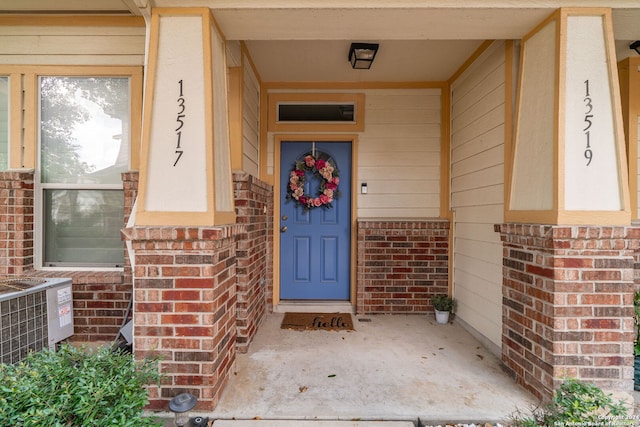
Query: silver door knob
[[284, 229]]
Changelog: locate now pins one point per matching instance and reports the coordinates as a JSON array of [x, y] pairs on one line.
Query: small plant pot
[[442, 317]]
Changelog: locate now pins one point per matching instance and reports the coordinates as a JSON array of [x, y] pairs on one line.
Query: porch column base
[[568, 305], [184, 281]]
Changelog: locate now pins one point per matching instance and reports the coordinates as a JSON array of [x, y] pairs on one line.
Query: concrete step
[[310, 423]]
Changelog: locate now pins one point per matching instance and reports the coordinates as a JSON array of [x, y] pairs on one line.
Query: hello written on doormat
[[317, 322]]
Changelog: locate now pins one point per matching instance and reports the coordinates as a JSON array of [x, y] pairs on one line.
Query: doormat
[[317, 322]]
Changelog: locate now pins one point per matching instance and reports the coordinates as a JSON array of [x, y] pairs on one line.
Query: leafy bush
[[75, 387], [442, 302], [576, 403]]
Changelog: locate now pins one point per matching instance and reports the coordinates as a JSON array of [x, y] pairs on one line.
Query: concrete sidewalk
[[391, 368]]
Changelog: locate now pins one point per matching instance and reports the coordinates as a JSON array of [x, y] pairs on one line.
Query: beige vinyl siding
[[251, 122], [638, 175], [72, 45], [398, 153], [477, 191], [4, 120]]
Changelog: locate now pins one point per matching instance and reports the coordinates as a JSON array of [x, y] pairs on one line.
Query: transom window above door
[[342, 112], [294, 112]]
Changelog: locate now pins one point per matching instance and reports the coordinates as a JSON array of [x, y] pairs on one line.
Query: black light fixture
[[635, 46], [361, 55]]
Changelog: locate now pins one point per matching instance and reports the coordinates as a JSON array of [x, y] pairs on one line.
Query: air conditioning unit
[[34, 313]]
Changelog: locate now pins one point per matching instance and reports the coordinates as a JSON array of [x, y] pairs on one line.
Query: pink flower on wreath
[[327, 172], [297, 179], [309, 161]]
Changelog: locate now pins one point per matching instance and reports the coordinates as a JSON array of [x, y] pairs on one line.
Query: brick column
[[568, 305], [253, 201], [184, 310], [16, 222], [401, 265]]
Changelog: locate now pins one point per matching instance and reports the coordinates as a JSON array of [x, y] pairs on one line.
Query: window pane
[[84, 129], [316, 112], [83, 227], [4, 123]]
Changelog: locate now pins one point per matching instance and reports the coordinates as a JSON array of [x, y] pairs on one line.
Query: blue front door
[[315, 242]]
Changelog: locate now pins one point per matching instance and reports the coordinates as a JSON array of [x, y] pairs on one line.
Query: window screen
[[84, 148]]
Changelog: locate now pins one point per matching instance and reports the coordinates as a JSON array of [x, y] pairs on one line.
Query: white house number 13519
[[180, 120], [588, 153]]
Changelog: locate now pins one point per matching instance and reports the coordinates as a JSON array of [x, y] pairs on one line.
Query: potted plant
[[443, 305]]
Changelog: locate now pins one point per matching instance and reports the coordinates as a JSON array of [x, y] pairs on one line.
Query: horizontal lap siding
[[250, 122], [4, 123], [100, 298], [399, 154], [61, 45], [638, 160], [477, 191]]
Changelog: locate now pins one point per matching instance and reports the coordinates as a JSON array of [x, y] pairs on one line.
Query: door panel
[[315, 244]]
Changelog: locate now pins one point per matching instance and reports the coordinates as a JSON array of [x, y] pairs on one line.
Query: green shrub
[[75, 387], [442, 302], [576, 403]]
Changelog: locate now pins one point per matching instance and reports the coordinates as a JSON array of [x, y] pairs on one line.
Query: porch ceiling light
[[635, 46], [361, 55]]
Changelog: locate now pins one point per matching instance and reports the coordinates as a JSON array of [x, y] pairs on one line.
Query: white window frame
[[39, 187]]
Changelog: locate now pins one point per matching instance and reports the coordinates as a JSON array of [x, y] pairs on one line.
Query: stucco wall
[[477, 191]]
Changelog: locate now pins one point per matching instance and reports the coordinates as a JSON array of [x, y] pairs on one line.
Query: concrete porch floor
[[399, 367]]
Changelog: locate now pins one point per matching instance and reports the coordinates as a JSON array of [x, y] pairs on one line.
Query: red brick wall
[[254, 201], [185, 308], [568, 305], [401, 265], [16, 222], [100, 298]]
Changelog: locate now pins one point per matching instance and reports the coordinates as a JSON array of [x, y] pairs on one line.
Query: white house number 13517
[[588, 153], [180, 120]]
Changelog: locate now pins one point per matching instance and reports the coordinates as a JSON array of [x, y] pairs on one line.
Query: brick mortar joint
[[568, 232], [401, 223], [173, 234], [245, 177]]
